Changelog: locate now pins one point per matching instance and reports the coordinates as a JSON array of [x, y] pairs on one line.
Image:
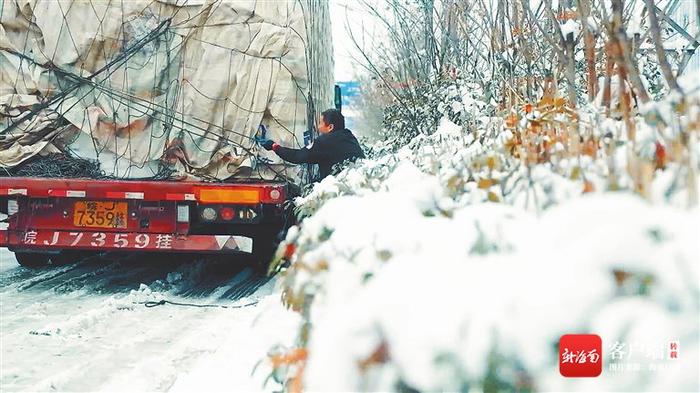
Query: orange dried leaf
[[295, 384], [566, 15], [491, 162], [322, 266], [486, 183], [621, 276], [294, 356], [590, 148], [559, 102], [545, 102], [512, 120], [660, 156], [380, 355], [510, 145]]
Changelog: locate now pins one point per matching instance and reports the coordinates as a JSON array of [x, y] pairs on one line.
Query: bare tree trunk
[[589, 44], [429, 38], [567, 58], [609, 67], [621, 52], [655, 30], [631, 66], [571, 69]]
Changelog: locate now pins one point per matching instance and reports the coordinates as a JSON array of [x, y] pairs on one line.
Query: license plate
[[100, 214]]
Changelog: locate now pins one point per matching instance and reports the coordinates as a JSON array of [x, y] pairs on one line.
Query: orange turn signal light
[[213, 195]]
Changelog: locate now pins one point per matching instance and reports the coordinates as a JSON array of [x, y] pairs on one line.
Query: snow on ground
[[239, 363], [92, 335], [7, 260]]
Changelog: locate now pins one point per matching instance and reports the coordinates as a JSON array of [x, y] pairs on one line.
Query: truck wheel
[[264, 247], [32, 259]]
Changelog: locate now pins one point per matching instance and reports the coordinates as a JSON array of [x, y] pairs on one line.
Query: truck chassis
[[47, 217]]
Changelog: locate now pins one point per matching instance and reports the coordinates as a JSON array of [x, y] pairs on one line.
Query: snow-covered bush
[[419, 107], [480, 300], [395, 297], [408, 275], [502, 210]]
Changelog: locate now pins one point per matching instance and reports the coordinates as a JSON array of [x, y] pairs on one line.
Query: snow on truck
[[132, 125]]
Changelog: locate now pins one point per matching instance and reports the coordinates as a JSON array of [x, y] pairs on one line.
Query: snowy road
[[80, 327]]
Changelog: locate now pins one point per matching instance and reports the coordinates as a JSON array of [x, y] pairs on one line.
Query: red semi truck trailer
[[161, 91], [52, 219]]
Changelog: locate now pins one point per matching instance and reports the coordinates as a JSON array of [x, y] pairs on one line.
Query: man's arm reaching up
[[295, 156]]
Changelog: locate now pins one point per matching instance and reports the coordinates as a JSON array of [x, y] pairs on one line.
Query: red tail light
[[227, 213], [273, 195]]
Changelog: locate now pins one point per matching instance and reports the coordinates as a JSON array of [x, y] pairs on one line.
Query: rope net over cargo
[[162, 88]]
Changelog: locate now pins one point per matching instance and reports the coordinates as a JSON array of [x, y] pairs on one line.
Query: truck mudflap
[[89, 240]]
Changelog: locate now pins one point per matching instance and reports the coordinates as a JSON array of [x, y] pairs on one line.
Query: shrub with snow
[[457, 261]]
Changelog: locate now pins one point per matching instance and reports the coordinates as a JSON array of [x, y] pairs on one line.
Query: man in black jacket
[[335, 144]]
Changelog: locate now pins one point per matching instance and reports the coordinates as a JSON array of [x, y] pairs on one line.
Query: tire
[[267, 239], [32, 260], [264, 247]]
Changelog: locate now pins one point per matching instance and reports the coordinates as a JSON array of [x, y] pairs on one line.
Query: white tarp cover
[[141, 83]]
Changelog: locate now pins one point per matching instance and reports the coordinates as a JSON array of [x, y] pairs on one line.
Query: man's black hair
[[333, 116]]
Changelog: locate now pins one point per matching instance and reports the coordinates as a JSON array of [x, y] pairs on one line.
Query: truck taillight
[[213, 195], [12, 207], [227, 213], [247, 214], [208, 214]]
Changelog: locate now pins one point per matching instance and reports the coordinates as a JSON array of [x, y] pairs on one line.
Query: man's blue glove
[[265, 143]]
